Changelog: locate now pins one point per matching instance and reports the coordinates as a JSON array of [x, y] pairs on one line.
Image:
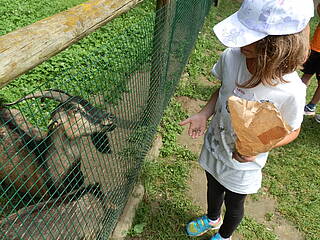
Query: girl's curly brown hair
[[277, 56]]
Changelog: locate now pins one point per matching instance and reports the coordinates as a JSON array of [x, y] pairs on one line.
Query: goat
[[58, 152]]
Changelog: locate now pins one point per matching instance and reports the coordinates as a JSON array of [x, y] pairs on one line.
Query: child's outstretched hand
[[198, 125]]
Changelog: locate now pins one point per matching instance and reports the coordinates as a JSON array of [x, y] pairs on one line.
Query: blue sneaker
[[317, 118], [218, 237], [310, 109], [202, 225]]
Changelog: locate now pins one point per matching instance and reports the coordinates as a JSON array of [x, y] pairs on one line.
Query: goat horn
[[57, 95]]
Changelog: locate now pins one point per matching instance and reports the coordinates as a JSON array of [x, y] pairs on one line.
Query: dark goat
[[59, 151]]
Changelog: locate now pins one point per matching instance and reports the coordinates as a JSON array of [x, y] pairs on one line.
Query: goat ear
[[53, 124], [101, 142]]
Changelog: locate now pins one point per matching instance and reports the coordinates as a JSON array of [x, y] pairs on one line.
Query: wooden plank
[[27, 47]]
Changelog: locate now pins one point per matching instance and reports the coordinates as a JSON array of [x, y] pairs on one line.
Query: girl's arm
[[198, 122], [288, 139], [208, 109]]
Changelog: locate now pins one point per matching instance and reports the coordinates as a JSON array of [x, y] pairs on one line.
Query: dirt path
[[263, 210]]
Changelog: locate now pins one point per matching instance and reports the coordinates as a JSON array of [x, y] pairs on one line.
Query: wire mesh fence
[[71, 150]]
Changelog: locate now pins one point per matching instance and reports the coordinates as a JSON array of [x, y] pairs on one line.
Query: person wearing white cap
[[267, 41]]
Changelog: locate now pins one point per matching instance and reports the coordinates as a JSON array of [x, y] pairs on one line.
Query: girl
[[268, 40]]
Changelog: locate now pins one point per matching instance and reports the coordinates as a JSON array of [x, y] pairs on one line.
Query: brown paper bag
[[258, 126]]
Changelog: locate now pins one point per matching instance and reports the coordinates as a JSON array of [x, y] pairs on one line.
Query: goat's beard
[[101, 141]]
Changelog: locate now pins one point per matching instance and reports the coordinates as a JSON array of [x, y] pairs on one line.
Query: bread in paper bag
[[258, 126]]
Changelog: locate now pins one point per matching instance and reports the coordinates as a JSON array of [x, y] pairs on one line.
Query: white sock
[[214, 221]]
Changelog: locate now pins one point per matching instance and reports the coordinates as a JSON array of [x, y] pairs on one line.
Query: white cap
[[257, 19]]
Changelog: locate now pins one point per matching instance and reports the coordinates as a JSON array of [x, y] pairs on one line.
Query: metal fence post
[[158, 65]]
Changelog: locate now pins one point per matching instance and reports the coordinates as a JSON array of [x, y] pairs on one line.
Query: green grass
[[165, 208], [291, 175]]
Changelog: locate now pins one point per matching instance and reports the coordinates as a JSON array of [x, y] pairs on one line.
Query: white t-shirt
[[219, 140]]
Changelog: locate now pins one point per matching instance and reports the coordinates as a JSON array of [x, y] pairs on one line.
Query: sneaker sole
[[199, 235], [211, 229], [194, 236]]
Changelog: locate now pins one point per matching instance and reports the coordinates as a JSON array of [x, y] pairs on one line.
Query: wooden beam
[[27, 47]]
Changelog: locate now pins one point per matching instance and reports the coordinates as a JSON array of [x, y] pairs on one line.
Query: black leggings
[[234, 203]]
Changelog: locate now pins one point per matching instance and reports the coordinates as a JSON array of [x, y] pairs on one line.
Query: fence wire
[[71, 150]]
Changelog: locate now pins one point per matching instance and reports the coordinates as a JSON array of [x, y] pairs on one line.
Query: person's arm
[[198, 122], [208, 109], [288, 139]]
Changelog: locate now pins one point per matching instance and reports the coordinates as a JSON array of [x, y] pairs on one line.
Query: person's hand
[[241, 158], [197, 125]]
